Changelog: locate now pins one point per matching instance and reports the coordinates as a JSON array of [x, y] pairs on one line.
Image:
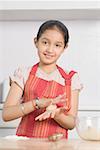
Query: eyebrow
[[44, 38], [59, 42]]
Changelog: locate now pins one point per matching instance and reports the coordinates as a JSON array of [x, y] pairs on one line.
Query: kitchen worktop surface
[[37, 144]]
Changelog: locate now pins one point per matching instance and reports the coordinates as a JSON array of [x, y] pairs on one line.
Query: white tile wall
[[82, 55]]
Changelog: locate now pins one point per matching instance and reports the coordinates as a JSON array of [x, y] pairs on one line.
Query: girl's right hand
[[45, 102], [61, 99]]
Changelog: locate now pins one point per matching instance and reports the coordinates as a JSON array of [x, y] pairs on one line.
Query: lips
[[48, 55]]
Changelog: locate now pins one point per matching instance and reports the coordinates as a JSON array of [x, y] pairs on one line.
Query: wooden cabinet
[[43, 10]]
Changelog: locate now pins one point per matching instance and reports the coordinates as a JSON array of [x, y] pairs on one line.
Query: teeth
[[48, 55]]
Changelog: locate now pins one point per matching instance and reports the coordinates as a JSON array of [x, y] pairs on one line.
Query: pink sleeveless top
[[37, 87]]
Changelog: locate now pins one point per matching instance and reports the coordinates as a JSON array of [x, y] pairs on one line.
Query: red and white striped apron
[[37, 87]]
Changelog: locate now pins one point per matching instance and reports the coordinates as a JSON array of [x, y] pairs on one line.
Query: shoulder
[[20, 75], [76, 83], [22, 72]]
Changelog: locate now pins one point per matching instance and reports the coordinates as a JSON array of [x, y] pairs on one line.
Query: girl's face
[[50, 46]]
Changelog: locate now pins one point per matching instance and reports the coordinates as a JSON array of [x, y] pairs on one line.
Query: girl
[[49, 95]]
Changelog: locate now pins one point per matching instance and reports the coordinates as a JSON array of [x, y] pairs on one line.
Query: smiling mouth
[[48, 55]]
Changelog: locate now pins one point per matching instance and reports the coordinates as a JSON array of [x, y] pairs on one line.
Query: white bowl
[[88, 128]]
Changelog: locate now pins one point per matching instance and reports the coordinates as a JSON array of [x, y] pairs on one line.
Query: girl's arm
[[68, 121], [12, 108]]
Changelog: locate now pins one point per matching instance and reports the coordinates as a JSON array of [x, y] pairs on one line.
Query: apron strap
[[34, 69], [67, 78]]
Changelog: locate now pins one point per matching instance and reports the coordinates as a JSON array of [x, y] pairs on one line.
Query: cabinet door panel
[[5, 132]]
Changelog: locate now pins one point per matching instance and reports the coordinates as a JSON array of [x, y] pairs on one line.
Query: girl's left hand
[[50, 113]]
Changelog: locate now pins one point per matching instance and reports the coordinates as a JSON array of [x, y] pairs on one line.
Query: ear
[[35, 41], [66, 46]]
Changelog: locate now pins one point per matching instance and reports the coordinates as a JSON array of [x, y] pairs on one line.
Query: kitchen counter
[[37, 144]]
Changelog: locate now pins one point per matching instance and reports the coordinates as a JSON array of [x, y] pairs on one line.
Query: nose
[[50, 49]]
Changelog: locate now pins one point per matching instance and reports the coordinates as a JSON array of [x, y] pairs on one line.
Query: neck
[[47, 68]]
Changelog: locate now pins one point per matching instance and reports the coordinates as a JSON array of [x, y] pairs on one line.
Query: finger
[[63, 109], [40, 116], [58, 97], [56, 100], [63, 100], [62, 103], [43, 116], [61, 96], [53, 114], [47, 115], [59, 100], [40, 119]]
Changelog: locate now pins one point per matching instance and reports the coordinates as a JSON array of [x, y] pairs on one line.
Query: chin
[[48, 62]]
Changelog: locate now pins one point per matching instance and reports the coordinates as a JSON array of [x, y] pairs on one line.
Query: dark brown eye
[[44, 42], [57, 45]]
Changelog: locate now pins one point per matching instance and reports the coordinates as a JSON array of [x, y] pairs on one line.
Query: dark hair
[[54, 24]]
